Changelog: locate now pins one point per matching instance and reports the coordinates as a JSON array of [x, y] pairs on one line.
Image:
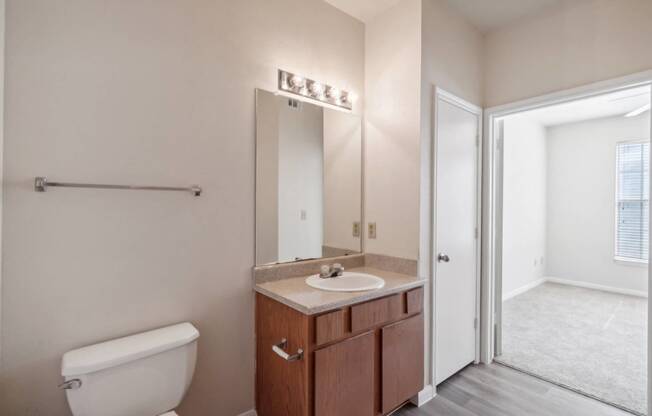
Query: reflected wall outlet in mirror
[[356, 229], [372, 230]]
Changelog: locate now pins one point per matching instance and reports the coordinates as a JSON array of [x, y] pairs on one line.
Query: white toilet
[[145, 374]]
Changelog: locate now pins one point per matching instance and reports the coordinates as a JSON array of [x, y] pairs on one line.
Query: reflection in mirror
[[308, 180]]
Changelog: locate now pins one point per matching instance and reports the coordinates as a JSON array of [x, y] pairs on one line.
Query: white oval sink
[[348, 282]]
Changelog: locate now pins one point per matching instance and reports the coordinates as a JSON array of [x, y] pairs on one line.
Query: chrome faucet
[[334, 270]]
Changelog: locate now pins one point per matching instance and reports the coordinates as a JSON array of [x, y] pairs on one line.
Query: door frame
[[492, 204], [444, 95]]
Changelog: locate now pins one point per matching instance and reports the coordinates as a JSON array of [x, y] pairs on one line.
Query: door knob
[[441, 257]]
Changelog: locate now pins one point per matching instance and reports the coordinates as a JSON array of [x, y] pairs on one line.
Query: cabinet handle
[[279, 349]]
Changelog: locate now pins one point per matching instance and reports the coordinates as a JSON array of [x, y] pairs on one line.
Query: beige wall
[[149, 92], [452, 54], [2, 113], [342, 179], [451, 59], [410, 48], [576, 43], [392, 79]]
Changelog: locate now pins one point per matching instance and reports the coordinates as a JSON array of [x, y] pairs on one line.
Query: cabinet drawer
[[414, 301], [329, 327], [369, 314]]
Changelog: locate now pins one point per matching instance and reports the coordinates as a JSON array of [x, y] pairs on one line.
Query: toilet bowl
[[139, 375]]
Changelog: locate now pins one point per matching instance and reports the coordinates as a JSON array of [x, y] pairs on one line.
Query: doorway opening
[[570, 225]]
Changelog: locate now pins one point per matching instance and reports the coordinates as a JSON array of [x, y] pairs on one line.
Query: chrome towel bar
[[41, 184]]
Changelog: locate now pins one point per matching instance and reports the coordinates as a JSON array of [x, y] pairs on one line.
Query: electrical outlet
[[356, 229], [372, 230], [304, 215]]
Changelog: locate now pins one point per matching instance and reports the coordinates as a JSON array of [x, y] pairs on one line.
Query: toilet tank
[[146, 374]]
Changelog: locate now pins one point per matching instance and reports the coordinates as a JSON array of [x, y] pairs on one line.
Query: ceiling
[[487, 15], [607, 105], [483, 14], [364, 10]]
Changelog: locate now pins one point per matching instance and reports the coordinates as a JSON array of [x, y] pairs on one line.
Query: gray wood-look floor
[[495, 390]]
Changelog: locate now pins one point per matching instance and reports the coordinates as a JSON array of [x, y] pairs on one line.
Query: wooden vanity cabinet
[[402, 375], [344, 379], [364, 359]]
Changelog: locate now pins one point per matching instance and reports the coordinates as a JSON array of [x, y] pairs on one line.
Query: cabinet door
[[402, 362], [281, 387], [344, 378]]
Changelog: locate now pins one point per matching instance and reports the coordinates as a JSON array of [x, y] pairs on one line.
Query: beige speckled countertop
[[295, 293]]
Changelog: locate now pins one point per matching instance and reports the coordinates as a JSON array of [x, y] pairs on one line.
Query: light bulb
[[284, 84], [296, 81], [317, 89]]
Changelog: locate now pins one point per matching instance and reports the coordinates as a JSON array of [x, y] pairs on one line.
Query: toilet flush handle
[[72, 384]]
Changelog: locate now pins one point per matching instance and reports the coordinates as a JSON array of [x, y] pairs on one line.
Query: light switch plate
[[372, 230], [356, 229]]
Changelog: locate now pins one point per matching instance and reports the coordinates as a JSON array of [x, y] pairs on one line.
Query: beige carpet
[[588, 340]]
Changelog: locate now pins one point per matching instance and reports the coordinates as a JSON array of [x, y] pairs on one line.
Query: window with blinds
[[632, 201]]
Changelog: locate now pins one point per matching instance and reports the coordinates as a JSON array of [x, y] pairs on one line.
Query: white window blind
[[632, 199]]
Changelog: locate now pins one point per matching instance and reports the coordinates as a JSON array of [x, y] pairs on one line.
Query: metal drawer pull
[[280, 350]]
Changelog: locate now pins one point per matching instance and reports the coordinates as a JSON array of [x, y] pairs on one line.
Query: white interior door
[[455, 250]]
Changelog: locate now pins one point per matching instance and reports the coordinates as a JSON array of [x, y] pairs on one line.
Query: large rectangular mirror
[[308, 180]]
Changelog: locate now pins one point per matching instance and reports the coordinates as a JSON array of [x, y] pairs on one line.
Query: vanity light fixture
[[296, 84]]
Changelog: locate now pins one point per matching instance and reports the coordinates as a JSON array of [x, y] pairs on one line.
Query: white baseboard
[[587, 285], [251, 412], [523, 289], [424, 396], [576, 283]]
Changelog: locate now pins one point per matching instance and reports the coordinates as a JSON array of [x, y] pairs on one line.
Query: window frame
[[629, 261]]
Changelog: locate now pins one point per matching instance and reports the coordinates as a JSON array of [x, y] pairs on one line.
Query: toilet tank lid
[[123, 350]]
